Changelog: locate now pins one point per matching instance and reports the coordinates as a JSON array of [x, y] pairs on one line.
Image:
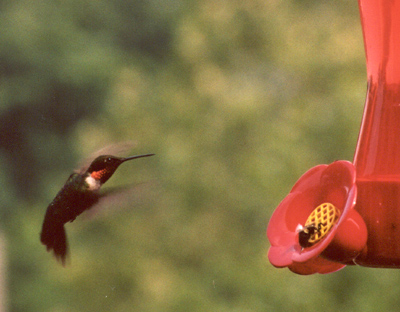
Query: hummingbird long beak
[[137, 156]]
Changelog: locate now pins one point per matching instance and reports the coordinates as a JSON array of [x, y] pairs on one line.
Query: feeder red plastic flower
[[322, 200]]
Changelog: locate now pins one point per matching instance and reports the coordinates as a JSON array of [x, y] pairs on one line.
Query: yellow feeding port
[[322, 219]]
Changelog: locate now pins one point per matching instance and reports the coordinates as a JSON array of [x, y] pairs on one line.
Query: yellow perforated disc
[[323, 217]]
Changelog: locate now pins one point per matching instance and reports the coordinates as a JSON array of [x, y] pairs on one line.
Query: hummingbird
[[79, 193]]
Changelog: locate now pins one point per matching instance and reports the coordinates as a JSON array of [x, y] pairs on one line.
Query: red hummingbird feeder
[[377, 157], [349, 213]]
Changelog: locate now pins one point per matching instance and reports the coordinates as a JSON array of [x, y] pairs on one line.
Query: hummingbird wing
[[113, 149], [113, 199]]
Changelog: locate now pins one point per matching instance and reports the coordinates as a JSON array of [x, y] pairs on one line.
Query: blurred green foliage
[[236, 98]]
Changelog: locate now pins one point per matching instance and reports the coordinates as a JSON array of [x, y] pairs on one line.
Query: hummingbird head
[[103, 167]]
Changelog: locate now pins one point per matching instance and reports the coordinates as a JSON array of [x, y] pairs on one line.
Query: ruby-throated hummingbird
[[80, 192]]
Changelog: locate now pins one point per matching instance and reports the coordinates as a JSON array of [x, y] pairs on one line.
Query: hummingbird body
[[80, 192]]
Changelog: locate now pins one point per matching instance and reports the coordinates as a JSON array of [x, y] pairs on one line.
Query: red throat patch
[[98, 174]]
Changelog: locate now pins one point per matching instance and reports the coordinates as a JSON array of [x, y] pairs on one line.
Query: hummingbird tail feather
[[54, 237]]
